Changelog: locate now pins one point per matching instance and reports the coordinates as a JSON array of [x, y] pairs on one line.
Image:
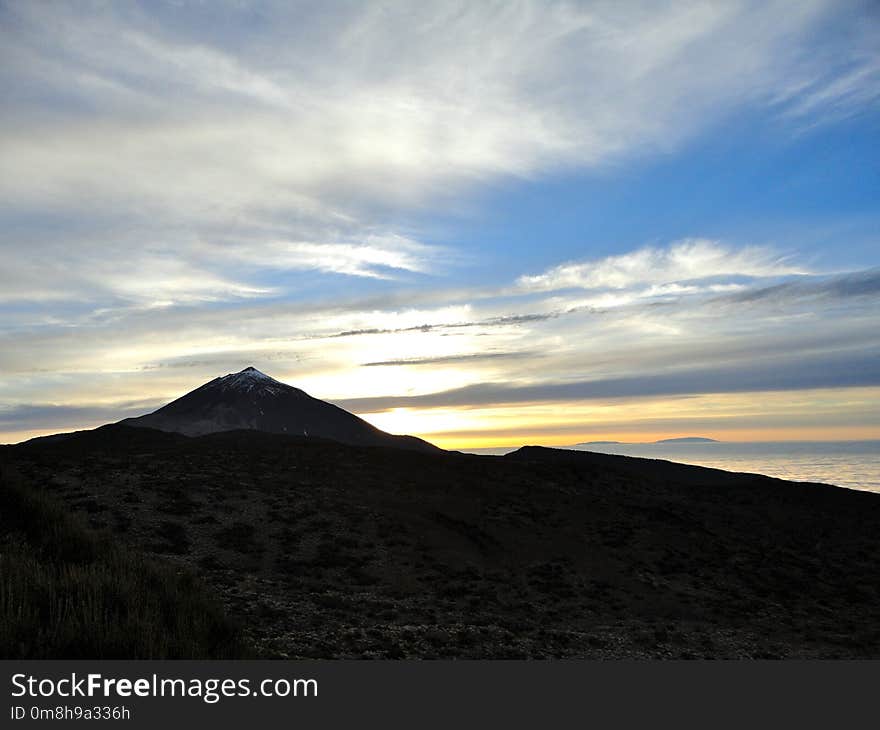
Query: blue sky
[[546, 221], [739, 183]]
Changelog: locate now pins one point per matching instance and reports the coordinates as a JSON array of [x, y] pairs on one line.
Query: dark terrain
[[320, 549], [70, 591]]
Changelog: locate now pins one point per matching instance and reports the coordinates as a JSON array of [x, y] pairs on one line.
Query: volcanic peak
[[251, 379]]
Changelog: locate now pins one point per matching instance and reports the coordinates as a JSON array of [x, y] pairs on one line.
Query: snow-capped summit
[[250, 399], [250, 379]]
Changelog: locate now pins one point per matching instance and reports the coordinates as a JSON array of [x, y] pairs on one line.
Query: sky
[[483, 223]]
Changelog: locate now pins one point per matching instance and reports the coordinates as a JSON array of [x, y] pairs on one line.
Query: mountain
[[688, 440], [252, 400]]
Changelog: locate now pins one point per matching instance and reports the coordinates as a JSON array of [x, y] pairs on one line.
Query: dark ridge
[[112, 436], [636, 466]]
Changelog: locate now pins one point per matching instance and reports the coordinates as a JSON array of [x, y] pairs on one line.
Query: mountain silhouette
[[252, 400]]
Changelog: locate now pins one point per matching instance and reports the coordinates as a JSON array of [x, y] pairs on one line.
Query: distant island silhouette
[[682, 440]]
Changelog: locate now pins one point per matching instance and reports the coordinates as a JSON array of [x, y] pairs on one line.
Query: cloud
[[115, 279], [683, 261], [197, 124], [152, 131], [505, 356], [377, 256], [638, 329], [838, 287], [502, 321], [775, 374], [41, 416], [834, 86], [142, 267], [448, 359]]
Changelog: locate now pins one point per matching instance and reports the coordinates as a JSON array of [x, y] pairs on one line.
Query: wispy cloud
[[154, 130], [771, 374], [449, 359], [376, 256], [471, 90], [683, 261], [116, 278], [39, 416], [838, 287], [509, 320]]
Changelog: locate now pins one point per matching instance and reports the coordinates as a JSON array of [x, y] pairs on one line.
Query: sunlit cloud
[[380, 257], [663, 269], [117, 280]]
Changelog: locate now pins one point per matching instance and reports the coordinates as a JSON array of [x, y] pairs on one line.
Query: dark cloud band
[[839, 371]]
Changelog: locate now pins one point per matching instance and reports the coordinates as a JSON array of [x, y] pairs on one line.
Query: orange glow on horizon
[[817, 415], [490, 440], [453, 442]]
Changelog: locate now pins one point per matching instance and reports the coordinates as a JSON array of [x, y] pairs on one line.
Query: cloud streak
[[684, 261], [448, 359], [779, 374]]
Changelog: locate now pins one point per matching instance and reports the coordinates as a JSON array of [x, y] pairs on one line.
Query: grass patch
[[67, 592]]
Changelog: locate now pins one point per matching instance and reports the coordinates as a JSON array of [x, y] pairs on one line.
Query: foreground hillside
[[325, 550], [69, 591]]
